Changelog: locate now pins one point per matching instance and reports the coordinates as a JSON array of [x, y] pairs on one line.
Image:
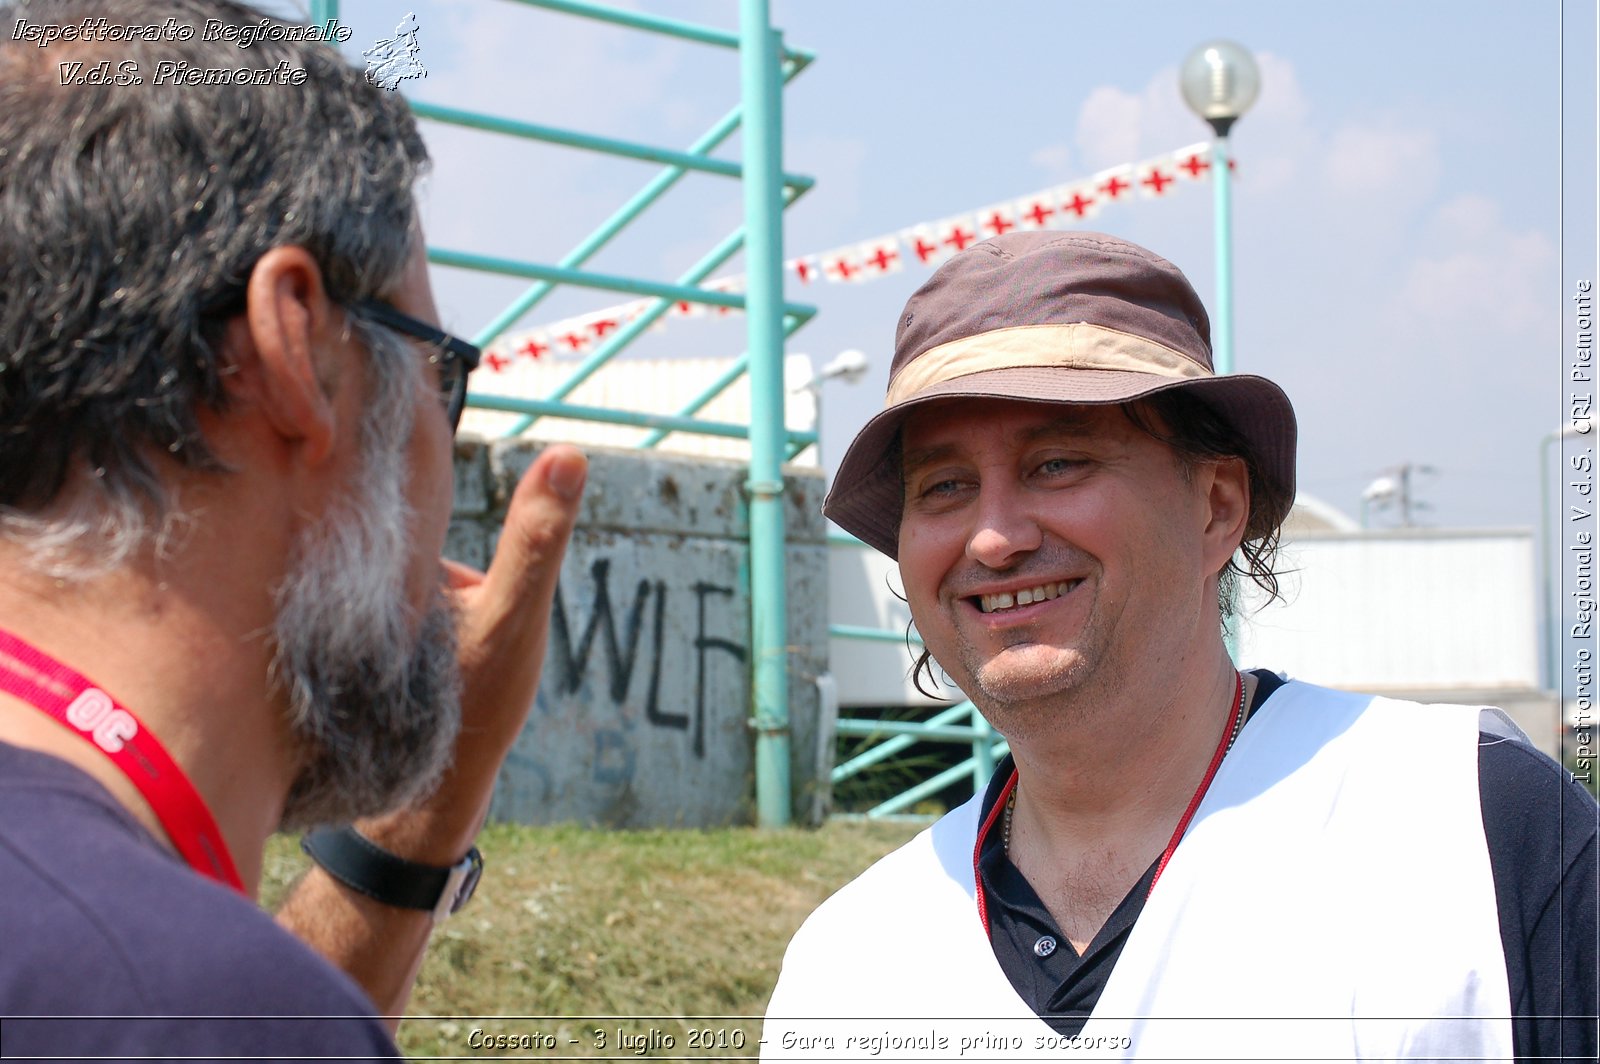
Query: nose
[[1004, 529]]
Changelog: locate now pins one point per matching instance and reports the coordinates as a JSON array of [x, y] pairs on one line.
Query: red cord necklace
[[93, 716], [1008, 796]]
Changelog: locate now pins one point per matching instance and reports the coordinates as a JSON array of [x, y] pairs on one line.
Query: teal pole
[[759, 49], [1222, 197], [1222, 315], [324, 11]]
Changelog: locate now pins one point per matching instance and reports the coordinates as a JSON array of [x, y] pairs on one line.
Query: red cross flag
[[806, 268], [841, 265], [1078, 202], [1113, 185], [1156, 178], [924, 247], [1039, 211], [880, 256], [997, 220], [958, 234], [1193, 163], [686, 308]]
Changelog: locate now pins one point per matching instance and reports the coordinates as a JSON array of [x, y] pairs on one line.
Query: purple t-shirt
[[97, 920]]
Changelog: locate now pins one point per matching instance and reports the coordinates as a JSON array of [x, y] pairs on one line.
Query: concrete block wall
[[642, 717]]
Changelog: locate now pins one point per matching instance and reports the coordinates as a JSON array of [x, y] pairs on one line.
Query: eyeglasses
[[454, 356]]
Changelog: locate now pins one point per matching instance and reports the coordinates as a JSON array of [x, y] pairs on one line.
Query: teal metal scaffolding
[[766, 65], [960, 724]]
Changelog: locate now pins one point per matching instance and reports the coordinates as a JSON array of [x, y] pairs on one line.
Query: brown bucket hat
[[1051, 317]]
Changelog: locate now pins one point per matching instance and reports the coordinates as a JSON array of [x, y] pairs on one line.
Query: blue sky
[[1398, 220]]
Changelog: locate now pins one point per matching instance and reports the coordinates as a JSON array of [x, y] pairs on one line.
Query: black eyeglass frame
[[453, 349]]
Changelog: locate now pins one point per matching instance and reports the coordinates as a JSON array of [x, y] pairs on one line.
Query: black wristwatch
[[367, 868]]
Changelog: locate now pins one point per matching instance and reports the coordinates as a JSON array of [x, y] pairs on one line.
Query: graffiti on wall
[[642, 621]]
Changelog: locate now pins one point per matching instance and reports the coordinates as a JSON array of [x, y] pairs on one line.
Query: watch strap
[[367, 868]]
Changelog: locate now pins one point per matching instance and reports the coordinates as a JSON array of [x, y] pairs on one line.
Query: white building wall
[[862, 587], [1402, 610]]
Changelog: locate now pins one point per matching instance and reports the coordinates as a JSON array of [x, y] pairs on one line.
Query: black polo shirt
[[1542, 854]]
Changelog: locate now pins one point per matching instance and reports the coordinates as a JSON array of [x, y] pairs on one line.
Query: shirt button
[[1044, 947]]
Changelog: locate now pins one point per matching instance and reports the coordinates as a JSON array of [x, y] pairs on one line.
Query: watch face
[[471, 870]]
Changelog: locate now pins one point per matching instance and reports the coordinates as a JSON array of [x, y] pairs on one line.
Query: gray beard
[[374, 698]]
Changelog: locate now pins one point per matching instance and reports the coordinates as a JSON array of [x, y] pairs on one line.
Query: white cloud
[[1109, 124], [1383, 161], [1055, 160], [1478, 274]]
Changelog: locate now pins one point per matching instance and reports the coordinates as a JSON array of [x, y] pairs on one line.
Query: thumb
[[522, 577]]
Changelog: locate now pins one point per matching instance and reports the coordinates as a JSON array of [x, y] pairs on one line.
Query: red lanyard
[[92, 715], [1229, 733]]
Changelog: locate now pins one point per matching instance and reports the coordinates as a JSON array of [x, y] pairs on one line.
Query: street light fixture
[[847, 366], [1220, 80]]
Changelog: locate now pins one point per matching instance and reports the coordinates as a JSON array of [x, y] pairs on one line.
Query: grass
[[573, 928]]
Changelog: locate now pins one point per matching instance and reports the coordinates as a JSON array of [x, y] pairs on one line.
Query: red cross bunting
[[844, 268], [884, 259], [1078, 205], [601, 326], [924, 250], [1115, 186], [998, 224], [1156, 181], [1195, 165], [533, 348], [496, 362], [959, 238], [576, 341], [1039, 214], [803, 269]]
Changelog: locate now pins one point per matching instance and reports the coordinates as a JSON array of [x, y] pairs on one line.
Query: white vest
[[1332, 899]]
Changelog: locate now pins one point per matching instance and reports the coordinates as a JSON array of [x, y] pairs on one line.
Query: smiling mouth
[[1009, 600]]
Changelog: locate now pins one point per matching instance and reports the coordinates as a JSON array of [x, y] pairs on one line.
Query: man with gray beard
[[225, 479]]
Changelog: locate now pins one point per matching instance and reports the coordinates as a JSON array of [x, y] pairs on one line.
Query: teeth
[[1005, 600]]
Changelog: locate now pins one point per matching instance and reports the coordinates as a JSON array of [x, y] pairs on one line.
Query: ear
[[1227, 508], [292, 325]]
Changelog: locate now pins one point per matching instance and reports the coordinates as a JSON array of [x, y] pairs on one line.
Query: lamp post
[[847, 366], [1220, 81], [1380, 491]]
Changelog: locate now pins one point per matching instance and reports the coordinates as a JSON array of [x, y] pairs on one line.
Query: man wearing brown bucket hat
[[1177, 860]]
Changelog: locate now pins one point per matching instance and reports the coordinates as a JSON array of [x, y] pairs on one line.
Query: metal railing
[[960, 724]]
